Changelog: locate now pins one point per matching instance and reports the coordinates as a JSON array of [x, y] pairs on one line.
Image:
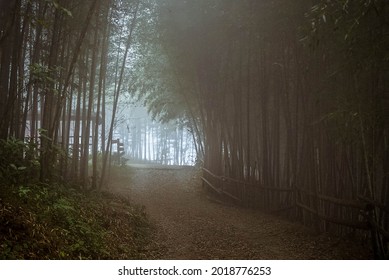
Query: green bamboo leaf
[[69, 13]]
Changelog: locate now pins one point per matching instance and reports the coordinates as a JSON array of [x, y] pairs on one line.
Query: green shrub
[[18, 163]]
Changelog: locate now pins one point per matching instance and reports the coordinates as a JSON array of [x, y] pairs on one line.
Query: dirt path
[[191, 225]]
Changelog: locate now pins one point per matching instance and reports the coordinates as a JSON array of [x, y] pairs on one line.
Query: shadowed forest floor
[[192, 225]]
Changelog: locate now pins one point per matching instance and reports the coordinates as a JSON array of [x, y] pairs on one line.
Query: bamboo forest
[[204, 129]]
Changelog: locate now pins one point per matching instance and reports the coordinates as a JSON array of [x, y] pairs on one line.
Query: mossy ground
[[43, 221]]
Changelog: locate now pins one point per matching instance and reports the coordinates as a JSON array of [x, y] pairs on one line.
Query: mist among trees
[[285, 104]]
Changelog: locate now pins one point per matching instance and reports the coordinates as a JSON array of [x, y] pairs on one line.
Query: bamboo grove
[[277, 94], [56, 80], [286, 94]]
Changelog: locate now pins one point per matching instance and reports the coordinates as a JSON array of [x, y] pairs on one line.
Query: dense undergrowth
[[41, 221]]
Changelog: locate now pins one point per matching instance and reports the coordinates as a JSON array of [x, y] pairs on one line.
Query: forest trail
[[192, 225]]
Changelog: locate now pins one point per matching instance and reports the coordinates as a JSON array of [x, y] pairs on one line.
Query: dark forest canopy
[[278, 94]]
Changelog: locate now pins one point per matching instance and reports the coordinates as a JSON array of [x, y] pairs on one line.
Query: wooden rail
[[223, 180], [255, 185], [364, 205], [210, 185], [377, 204], [219, 190], [352, 224], [343, 202]]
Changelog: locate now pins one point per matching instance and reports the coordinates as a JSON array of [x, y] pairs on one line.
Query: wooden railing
[[118, 155], [362, 213]]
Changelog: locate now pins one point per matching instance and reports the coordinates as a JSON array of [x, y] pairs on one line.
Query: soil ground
[[191, 224]]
